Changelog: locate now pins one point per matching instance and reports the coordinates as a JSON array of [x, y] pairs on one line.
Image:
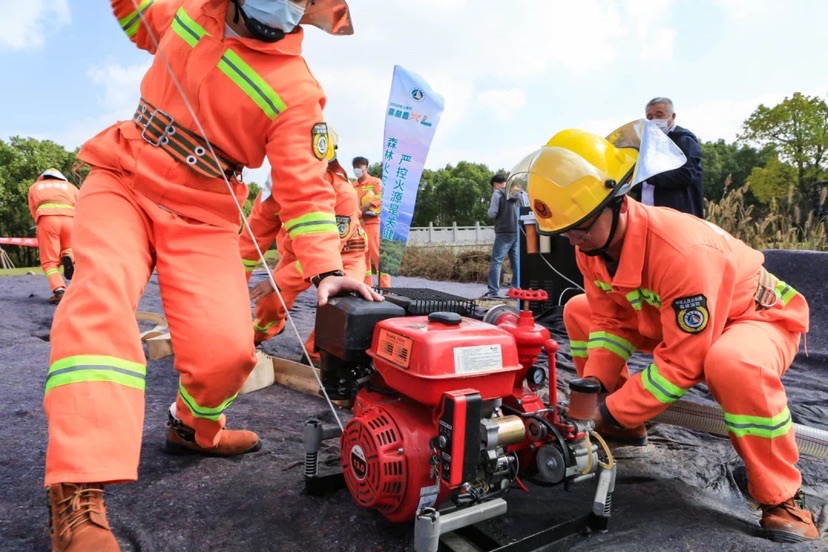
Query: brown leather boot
[[77, 519], [790, 521], [181, 441]]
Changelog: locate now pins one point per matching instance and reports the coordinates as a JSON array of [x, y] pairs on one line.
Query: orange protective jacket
[[253, 100], [50, 196], [346, 209], [680, 281], [374, 185]]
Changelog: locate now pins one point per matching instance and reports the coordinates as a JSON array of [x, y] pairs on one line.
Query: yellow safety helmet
[[333, 143], [570, 179]]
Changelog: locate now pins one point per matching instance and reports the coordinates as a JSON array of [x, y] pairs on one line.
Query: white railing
[[451, 235]]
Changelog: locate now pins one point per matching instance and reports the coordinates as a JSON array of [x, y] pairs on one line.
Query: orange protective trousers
[[95, 388], [372, 255], [270, 314], [743, 370], [54, 239]]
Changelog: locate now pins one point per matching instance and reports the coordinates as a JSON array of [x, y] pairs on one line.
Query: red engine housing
[[423, 359], [385, 454]]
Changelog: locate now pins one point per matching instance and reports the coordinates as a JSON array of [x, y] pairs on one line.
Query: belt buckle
[[169, 129], [768, 298]]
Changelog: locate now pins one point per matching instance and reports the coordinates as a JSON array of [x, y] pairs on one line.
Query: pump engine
[[446, 407]]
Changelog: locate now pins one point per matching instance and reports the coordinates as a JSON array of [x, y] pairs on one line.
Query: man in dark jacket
[[503, 209], [682, 188]]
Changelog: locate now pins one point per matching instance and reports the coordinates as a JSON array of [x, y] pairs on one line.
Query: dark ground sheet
[[685, 491]]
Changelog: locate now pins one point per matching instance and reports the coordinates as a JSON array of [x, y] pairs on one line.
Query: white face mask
[[662, 124], [278, 14], [358, 172]]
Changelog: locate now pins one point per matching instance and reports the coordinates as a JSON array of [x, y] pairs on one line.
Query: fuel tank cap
[[450, 318]]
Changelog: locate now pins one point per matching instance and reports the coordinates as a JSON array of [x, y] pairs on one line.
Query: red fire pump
[[446, 407]]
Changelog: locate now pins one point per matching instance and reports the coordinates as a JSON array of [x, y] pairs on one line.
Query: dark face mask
[[259, 30]]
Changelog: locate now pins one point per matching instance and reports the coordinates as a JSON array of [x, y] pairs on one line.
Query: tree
[[454, 194], [721, 160], [773, 181], [797, 129], [21, 162]]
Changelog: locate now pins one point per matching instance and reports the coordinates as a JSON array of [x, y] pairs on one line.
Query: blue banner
[[411, 118]]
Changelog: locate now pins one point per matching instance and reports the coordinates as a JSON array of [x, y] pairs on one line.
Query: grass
[[779, 226], [19, 271], [448, 264]]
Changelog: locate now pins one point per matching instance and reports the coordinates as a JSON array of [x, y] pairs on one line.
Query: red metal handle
[[528, 294]]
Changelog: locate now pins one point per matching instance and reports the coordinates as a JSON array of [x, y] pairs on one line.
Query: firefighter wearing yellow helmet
[[668, 283]]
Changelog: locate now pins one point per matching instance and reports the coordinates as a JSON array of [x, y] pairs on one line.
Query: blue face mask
[[277, 14]]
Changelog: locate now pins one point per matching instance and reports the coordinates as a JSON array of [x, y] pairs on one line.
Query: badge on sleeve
[[319, 140], [343, 224], [692, 315]]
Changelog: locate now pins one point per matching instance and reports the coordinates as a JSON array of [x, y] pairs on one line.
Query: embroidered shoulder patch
[[692, 315], [319, 140], [343, 224]]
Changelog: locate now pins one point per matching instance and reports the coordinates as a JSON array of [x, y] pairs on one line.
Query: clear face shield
[[656, 152]]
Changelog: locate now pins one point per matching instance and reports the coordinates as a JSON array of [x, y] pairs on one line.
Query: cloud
[[24, 24], [502, 103], [742, 9], [121, 85]]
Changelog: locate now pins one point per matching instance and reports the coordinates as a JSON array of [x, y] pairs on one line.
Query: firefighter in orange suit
[[289, 276], [157, 198], [699, 299], [369, 189], [52, 200]]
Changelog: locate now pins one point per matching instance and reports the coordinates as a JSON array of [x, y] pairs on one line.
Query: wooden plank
[[159, 321], [296, 376], [262, 375], [159, 347]]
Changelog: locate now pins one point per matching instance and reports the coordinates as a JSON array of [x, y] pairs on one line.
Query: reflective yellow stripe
[[88, 368], [578, 349], [54, 206], [185, 27], [250, 264], [660, 387], [612, 343], [299, 268], [51, 271], [634, 297], [207, 412], [251, 83], [312, 223], [263, 328], [131, 22], [603, 285], [759, 426], [786, 292]]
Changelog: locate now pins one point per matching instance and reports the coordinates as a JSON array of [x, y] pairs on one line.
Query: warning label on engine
[[428, 496], [482, 358]]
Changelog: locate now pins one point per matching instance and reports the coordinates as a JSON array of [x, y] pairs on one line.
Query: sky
[[512, 73]]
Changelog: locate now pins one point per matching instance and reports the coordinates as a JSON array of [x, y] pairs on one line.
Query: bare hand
[[260, 290], [335, 285]]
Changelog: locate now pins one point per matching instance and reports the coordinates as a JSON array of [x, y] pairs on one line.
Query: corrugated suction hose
[[710, 418]]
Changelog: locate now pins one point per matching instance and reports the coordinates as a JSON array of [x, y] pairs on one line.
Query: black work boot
[[57, 296], [68, 267]]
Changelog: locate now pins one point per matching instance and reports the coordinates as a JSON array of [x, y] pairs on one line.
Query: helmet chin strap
[[259, 30], [616, 211]]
